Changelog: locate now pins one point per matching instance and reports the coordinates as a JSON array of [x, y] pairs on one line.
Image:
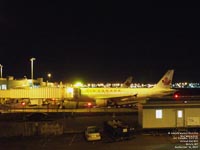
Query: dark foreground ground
[[78, 142]]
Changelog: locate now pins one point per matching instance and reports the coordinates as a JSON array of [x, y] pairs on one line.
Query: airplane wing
[[122, 100], [117, 97]]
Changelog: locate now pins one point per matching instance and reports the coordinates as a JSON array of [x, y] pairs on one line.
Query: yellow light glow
[[78, 84], [49, 75]]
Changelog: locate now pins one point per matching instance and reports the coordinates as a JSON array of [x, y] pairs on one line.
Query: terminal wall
[[190, 117], [149, 119]]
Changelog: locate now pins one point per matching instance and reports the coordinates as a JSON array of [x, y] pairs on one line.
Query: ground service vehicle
[[118, 130]]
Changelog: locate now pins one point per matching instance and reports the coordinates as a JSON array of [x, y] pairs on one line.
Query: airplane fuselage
[[114, 93]]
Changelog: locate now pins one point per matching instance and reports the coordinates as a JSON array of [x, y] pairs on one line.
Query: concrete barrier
[[8, 129]]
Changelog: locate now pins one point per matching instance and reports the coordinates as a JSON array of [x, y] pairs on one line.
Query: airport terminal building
[[11, 83], [169, 114]]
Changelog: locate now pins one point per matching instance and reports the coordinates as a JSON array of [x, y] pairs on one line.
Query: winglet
[[166, 80]]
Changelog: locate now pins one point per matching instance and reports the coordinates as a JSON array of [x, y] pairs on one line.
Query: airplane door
[[179, 118]]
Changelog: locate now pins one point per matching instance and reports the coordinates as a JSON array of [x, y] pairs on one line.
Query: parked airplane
[[117, 96]]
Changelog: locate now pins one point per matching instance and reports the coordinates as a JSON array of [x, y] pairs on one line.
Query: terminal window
[[180, 114], [3, 87], [159, 114]]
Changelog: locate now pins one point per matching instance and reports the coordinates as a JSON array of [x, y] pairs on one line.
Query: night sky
[[99, 42]]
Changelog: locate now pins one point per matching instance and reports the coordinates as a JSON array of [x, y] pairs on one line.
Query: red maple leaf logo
[[166, 81]]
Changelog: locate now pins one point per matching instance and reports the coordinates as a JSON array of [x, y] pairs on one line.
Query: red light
[[176, 96], [89, 104], [23, 103]]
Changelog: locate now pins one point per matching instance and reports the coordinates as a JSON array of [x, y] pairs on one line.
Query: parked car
[[92, 133]]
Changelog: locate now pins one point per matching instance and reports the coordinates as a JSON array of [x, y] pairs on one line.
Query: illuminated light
[[89, 104], [176, 96], [78, 84], [49, 75], [23, 103], [70, 90]]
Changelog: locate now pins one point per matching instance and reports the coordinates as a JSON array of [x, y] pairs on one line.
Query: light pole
[[49, 76], [32, 59], [1, 70]]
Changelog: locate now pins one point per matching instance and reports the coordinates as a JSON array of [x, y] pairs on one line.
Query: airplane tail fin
[[128, 82], [166, 80]]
